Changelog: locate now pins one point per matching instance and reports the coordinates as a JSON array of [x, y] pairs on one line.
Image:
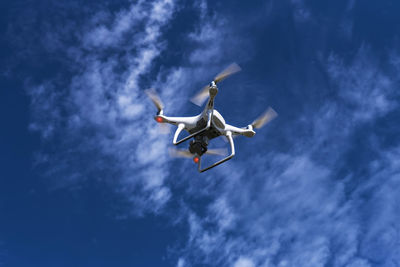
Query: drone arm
[[249, 132], [187, 121], [210, 104], [230, 139]]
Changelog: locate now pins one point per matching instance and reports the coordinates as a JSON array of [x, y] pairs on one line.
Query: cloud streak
[[102, 121], [309, 207], [301, 207], [103, 106]]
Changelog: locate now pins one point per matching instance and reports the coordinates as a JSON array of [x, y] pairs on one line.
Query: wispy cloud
[[363, 86], [381, 239], [244, 262], [285, 208], [102, 121], [103, 106], [296, 208]]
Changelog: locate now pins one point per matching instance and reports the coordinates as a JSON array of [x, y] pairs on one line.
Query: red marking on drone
[[159, 119], [196, 159]]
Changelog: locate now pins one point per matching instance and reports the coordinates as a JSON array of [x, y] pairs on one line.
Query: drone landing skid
[[229, 136]]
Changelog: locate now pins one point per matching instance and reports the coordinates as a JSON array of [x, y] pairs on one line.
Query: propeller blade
[[178, 153], [217, 151], [201, 96], [265, 118], [231, 69], [151, 93]]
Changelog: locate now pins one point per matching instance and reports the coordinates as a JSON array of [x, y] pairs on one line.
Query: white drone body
[[207, 125]]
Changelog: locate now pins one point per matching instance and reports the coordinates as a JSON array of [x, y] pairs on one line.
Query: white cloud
[[281, 209], [106, 36], [292, 209], [110, 102], [279, 220], [221, 210], [363, 85], [380, 241], [244, 262], [181, 263], [103, 115]]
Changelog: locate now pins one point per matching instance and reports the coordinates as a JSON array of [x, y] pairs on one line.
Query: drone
[[209, 124]]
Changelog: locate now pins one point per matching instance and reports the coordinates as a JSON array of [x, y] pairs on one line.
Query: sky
[[85, 175]]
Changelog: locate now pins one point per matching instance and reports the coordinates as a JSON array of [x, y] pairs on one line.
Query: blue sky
[[85, 175]]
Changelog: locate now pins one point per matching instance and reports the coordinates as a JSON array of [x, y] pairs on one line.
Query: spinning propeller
[[202, 95], [151, 93], [265, 118]]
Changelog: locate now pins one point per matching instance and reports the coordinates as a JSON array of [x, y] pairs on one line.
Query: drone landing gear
[[230, 139], [199, 147]]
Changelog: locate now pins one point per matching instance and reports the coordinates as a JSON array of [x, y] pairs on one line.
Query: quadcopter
[[208, 125]]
